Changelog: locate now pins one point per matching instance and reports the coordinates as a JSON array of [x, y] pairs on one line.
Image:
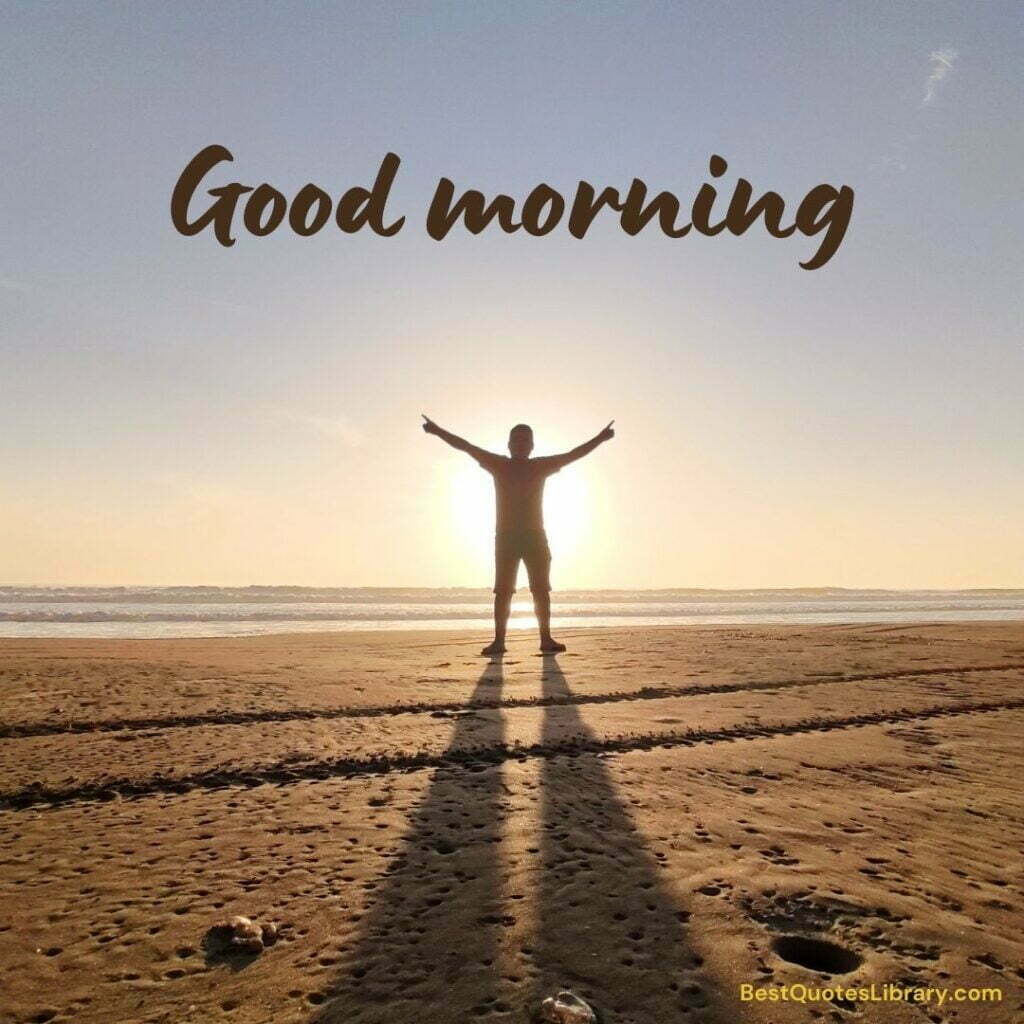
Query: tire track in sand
[[470, 758], [22, 730]]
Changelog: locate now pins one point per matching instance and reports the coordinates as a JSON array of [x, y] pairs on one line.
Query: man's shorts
[[532, 547]]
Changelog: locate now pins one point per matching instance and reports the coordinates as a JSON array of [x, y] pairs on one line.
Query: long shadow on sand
[[428, 945], [438, 944], [608, 926]]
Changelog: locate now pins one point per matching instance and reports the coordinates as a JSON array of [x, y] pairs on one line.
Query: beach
[[441, 838]]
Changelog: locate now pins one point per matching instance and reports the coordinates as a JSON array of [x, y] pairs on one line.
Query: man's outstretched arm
[[480, 454], [584, 449]]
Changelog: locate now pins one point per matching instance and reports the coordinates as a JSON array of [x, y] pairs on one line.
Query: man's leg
[[502, 610], [506, 568], [542, 609], [538, 565]]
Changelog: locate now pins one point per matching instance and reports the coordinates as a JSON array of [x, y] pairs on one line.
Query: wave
[[279, 595], [420, 612]]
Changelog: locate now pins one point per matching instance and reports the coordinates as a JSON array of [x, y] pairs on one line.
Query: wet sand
[[445, 839]]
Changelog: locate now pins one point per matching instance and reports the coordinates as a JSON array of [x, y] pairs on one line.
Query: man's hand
[[558, 461], [485, 458]]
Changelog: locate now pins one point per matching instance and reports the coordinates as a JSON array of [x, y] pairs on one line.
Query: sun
[[471, 512], [567, 518], [567, 514]]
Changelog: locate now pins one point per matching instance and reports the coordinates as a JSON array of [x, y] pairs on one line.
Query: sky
[[178, 412]]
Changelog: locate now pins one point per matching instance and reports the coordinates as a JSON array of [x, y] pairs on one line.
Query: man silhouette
[[519, 528]]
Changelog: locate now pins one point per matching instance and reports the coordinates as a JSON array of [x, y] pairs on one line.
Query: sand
[[444, 839]]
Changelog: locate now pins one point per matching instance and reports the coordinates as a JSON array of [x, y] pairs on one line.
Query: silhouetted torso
[[519, 491]]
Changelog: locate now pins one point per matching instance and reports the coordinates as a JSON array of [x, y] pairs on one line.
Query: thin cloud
[[941, 62], [337, 428], [234, 307], [893, 162]]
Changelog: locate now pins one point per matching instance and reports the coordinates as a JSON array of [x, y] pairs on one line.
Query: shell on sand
[[567, 1008], [246, 934]]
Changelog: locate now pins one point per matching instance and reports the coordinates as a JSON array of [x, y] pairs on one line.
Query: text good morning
[[824, 208]]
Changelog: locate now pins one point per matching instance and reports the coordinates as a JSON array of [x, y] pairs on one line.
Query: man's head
[[520, 441]]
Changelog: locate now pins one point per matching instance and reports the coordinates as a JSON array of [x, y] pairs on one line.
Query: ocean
[[242, 611]]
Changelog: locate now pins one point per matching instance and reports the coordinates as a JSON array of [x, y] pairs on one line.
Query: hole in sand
[[816, 954]]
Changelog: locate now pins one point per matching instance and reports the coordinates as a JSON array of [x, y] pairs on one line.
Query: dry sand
[[447, 840]]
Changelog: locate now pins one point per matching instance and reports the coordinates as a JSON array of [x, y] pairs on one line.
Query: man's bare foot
[[550, 646], [496, 648]]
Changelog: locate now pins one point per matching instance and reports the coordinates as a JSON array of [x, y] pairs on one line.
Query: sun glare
[[567, 514], [471, 504]]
